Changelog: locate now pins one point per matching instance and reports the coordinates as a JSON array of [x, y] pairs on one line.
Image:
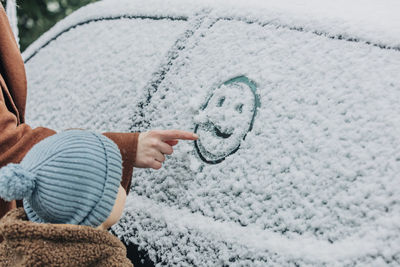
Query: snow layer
[[371, 21], [199, 240], [304, 166], [90, 72]]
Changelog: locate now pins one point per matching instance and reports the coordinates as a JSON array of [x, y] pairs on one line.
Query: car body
[[296, 105]]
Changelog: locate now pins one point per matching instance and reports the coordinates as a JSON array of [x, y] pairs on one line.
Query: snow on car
[[296, 105]]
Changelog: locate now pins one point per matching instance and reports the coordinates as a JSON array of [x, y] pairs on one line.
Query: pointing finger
[[177, 134]]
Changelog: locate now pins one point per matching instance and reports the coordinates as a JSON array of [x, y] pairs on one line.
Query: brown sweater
[[40, 244], [16, 137]]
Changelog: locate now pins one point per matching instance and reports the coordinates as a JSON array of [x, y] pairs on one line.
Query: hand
[[154, 145]]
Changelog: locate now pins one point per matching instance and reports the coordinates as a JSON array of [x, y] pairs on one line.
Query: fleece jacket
[[40, 244]]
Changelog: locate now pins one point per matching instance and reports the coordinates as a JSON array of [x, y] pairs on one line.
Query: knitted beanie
[[69, 178]]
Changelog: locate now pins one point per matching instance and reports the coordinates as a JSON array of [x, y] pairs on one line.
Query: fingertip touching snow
[[297, 109]]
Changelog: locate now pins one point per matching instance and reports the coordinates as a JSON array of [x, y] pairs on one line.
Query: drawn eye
[[221, 101], [239, 108]]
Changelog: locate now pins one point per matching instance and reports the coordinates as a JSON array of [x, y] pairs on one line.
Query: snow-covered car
[[297, 108]]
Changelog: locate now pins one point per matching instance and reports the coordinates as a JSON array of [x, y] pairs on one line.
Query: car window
[[94, 74]]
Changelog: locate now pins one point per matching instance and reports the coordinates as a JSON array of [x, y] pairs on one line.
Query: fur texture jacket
[[27, 243]]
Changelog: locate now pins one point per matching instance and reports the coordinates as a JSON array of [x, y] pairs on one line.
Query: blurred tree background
[[37, 16]]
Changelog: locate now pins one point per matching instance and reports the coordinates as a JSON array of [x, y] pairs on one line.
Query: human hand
[[154, 145]]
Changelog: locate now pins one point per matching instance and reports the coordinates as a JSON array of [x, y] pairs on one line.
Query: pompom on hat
[[69, 178]]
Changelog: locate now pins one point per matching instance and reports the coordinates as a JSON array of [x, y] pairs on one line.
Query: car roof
[[374, 22]]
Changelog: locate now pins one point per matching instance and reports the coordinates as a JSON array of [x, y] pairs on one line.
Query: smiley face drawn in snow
[[225, 119]]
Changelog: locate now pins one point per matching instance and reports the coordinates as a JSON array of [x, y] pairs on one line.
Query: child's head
[[69, 178]]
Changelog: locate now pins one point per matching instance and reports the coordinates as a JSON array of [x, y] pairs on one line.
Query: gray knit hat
[[70, 178]]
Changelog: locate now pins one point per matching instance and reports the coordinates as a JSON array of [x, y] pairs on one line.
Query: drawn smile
[[225, 119]]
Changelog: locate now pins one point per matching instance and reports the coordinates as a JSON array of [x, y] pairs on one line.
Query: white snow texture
[[296, 105]]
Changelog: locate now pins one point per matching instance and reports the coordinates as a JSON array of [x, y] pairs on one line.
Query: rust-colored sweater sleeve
[[127, 144]]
